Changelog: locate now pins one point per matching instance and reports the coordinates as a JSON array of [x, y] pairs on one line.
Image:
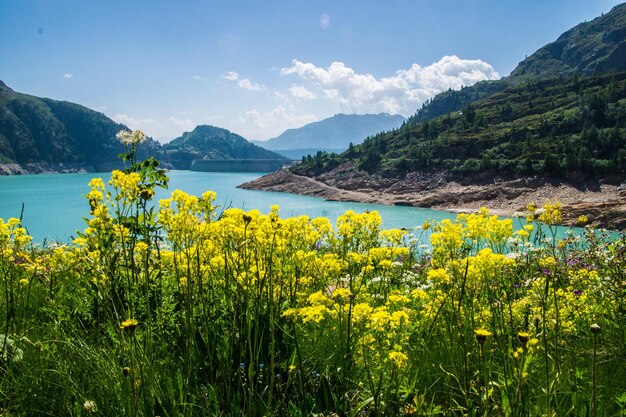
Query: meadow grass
[[180, 309]]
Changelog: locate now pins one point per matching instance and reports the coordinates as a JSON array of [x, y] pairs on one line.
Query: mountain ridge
[[42, 135], [211, 142], [335, 132]]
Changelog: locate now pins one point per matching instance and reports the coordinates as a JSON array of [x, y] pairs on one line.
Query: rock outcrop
[[603, 203]]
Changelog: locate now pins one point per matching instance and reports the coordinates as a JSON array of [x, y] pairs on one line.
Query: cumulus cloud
[[273, 122], [401, 93], [197, 77], [301, 92], [68, 76], [244, 83], [231, 76]]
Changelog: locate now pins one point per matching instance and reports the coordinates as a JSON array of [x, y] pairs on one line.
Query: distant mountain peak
[[336, 132]]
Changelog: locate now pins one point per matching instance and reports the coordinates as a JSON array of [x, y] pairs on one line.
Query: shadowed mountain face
[[34, 130]]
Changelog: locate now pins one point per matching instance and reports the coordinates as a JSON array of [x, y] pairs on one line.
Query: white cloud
[[244, 83], [146, 125], [231, 76], [301, 92], [68, 76], [401, 93], [272, 123], [164, 131], [324, 21], [197, 77], [185, 125]]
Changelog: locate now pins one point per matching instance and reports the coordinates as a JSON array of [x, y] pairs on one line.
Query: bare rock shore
[[603, 203]]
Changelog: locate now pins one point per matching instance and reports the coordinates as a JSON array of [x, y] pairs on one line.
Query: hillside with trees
[[45, 135], [559, 127], [591, 48], [210, 142], [41, 130]]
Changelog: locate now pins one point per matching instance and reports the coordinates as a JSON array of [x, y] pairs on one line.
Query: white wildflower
[[131, 138], [90, 406]]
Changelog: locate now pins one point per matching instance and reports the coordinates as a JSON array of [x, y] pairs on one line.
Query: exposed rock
[[604, 203], [45, 168]]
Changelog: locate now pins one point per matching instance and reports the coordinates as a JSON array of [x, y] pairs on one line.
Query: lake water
[[54, 204]]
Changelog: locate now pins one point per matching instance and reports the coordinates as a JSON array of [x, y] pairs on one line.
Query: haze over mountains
[[333, 134]]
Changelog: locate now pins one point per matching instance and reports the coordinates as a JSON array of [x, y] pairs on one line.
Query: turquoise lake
[[54, 204]]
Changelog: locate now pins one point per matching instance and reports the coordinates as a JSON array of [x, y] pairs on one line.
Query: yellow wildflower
[[398, 358]]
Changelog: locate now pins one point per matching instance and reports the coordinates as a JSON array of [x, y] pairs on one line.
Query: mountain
[[596, 47], [557, 127], [45, 135], [561, 112], [334, 133], [37, 130], [590, 48], [209, 142]]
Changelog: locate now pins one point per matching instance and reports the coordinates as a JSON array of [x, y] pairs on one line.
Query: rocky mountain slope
[[590, 48]]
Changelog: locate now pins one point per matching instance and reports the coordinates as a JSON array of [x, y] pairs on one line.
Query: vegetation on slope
[[560, 127], [34, 129], [209, 142], [590, 48]]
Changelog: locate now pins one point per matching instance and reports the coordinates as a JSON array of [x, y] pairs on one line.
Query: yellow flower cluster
[[344, 296], [126, 185]]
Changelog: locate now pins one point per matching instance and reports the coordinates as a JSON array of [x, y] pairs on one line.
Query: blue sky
[[260, 67]]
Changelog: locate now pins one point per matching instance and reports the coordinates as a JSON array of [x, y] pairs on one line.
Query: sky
[[258, 68]]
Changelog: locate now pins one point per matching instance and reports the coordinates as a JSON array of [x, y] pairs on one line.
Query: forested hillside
[[34, 130], [209, 142], [557, 127]]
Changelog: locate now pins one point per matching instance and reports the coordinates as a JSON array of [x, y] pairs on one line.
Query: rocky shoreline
[[62, 167], [604, 203]]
